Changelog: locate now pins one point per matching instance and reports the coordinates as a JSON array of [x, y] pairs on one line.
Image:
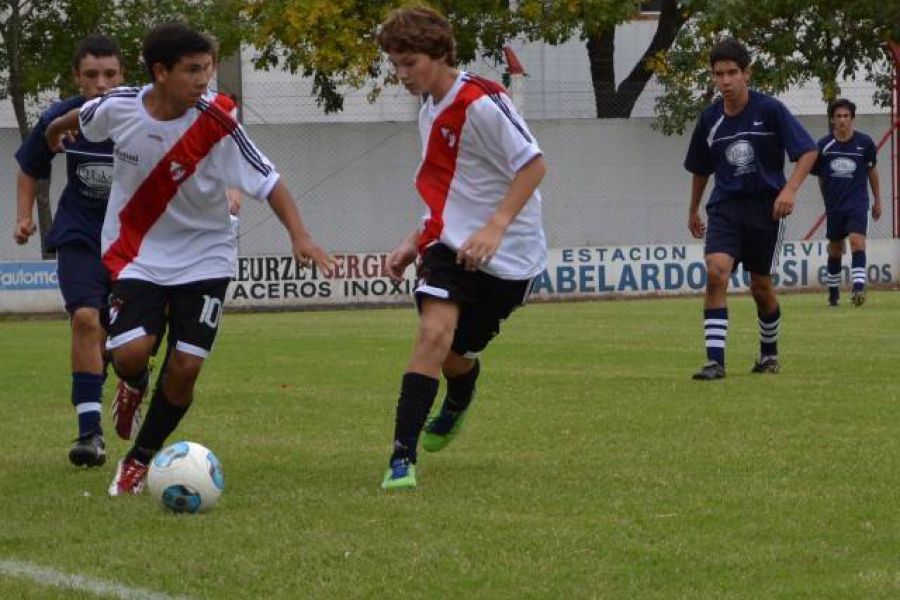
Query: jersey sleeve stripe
[[88, 113], [234, 130], [492, 90]]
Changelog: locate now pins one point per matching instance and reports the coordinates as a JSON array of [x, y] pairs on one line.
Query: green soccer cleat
[[440, 430], [401, 475]]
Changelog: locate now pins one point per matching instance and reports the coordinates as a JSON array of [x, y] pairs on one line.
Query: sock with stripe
[[768, 333], [162, 419], [834, 278], [858, 270], [715, 325], [417, 394], [87, 389]]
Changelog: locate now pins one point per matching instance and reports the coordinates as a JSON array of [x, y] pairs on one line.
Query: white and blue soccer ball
[[186, 477]]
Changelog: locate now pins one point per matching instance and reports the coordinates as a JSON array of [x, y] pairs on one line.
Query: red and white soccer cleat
[[131, 475], [126, 409]]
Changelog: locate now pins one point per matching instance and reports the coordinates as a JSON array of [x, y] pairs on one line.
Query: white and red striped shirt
[[473, 143], [167, 220]]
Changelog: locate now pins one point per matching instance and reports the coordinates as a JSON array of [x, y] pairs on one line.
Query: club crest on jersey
[[177, 171], [449, 136], [843, 166], [740, 153], [96, 176]]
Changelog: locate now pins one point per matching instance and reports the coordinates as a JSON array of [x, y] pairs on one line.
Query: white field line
[[99, 587]]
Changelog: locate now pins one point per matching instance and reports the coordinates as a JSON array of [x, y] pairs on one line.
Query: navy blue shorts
[[484, 300], [743, 228], [83, 279], [840, 225]]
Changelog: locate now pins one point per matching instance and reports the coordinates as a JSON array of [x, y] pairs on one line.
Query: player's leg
[[83, 281], [437, 321], [761, 260], [133, 338], [857, 225], [835, 255], [478, 324], [722, 249], [194, 312], [443, 286], [836, 232]]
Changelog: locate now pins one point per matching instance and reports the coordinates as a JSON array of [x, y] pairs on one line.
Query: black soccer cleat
[[88, 451], [711, 370], [858, 297], [766, 364]]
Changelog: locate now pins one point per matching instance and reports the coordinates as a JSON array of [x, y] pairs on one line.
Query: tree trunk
[[618, 102], [12, 38]]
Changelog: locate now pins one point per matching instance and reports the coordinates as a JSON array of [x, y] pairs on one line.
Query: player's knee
[[717, 277], [456, 365], [184, 367], [435, 335], [129, 361], [86, 322], [857, 244]]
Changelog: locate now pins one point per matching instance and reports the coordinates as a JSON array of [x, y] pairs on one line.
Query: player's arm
[[481, 245], [25, 190], [403, 255], [695, 222], [875, 184], [787, 197], [302, 245], [62, 128]]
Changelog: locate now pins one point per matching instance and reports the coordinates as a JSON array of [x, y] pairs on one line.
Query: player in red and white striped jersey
[[482, 240], [168, 240]]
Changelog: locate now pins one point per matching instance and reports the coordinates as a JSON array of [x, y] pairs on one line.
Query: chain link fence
[[610, 181]]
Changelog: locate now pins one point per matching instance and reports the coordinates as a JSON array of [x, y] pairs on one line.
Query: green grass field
[[591, 465]]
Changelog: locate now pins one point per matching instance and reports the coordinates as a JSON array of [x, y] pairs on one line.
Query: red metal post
[[895, 147]]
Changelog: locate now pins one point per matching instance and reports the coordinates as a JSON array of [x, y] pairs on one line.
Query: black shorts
[[83, 280], [743, 228], [484, 300], [193, 310], [842, 224]]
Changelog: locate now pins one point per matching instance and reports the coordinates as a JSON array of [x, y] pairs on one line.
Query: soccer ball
[[186, 478]]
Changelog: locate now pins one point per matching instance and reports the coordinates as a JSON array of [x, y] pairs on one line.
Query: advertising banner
[[579, 272]]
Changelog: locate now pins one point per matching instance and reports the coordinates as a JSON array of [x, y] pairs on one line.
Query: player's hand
[[784, 203], [400, 258], [57, 143], [696, 225], [876, 210], [25, 228], [479, 249], [306, 252]]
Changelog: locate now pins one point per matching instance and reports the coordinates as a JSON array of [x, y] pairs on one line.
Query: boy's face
[[186, 81], [842, 121], [730, 79], [416, 71], [96, 75]]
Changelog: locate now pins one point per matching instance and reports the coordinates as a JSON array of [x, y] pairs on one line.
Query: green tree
[[332, 41], [794, 42], [39, 36]]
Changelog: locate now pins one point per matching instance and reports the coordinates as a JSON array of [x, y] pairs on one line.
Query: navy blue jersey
[[746, 151], [844, 170], [79, 214]]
